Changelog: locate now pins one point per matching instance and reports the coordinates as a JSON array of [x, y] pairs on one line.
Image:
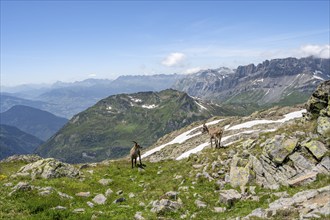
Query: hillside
[[33, 121], [276, 167], [14, 141], [107, 129], [282, 82]]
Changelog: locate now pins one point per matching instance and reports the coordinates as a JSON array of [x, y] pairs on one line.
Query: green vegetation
[[106, 130]]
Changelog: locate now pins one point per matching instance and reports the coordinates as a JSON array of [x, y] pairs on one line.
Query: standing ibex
[[135, 152], [215, 133]]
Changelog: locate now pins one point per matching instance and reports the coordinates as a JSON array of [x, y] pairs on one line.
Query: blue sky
[[47, 41]]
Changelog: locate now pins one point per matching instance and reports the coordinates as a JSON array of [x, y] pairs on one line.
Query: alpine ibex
[[215, 133], [135, 152]]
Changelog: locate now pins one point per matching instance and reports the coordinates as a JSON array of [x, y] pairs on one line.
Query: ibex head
[[136, 144], [205, 129]]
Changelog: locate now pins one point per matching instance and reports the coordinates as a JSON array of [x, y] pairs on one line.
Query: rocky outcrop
[[318, 107], [268, 82], [48, 168], [310, 204]]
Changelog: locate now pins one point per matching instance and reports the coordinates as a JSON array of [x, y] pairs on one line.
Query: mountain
[[273, 164], [33, 121], [280, 81], [8, 100], [72, 98], [107, 129], [14, 141]]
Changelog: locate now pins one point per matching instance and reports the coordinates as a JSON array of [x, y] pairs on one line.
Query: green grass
[[147, 186]]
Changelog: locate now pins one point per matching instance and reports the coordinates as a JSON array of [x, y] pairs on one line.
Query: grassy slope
[[152, 184], [108, 134]]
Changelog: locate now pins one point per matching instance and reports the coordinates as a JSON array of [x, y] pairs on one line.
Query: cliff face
[[279, 81]]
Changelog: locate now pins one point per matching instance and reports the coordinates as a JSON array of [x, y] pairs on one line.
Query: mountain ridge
[[107, 129], [36, 122]]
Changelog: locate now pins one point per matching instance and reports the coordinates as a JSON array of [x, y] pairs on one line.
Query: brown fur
[[215, 133], [135, 153]]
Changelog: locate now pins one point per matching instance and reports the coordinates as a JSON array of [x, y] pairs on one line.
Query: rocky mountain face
[[14, 141], [107, 129], [279, 81], [273, 164], [33, 121]]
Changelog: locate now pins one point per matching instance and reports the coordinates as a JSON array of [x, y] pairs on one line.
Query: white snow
[[179, 139], [317, 77], [250, 124], [109, 107], [186, 135], [150, 106], [202, 107], [202, 146], [267, 92], [135, 100]]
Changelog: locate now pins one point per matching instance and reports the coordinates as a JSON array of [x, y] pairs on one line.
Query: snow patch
[[150, 106], [267, 92], [179, 139], [109, 107], [201, 106], [250, 124], [319, 78], [134, 99]]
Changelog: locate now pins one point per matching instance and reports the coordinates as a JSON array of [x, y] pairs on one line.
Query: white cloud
[[321, 51], [192, 70], [92, 75], [174, 59]]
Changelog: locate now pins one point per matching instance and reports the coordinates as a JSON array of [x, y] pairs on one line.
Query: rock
[[90, 204], [319, 99], [303, 179], [323, 126], [280, 147], [8, 184], [281, 194], [309, 203], [317, 148], [83, 194], [131, 195], [200, 204], [229, 197], [165, 205], [79, 210], [50, 168], [122, 199], [108, 192], [138, 216], [105, 182], [172, 195], [198, 166], [99, 199], [326, 163], [252, 190], [22, 186], [119, 192], [44, 191], [59, 208], [219, 209], [64, 195], [240, 172], [301, 163]]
